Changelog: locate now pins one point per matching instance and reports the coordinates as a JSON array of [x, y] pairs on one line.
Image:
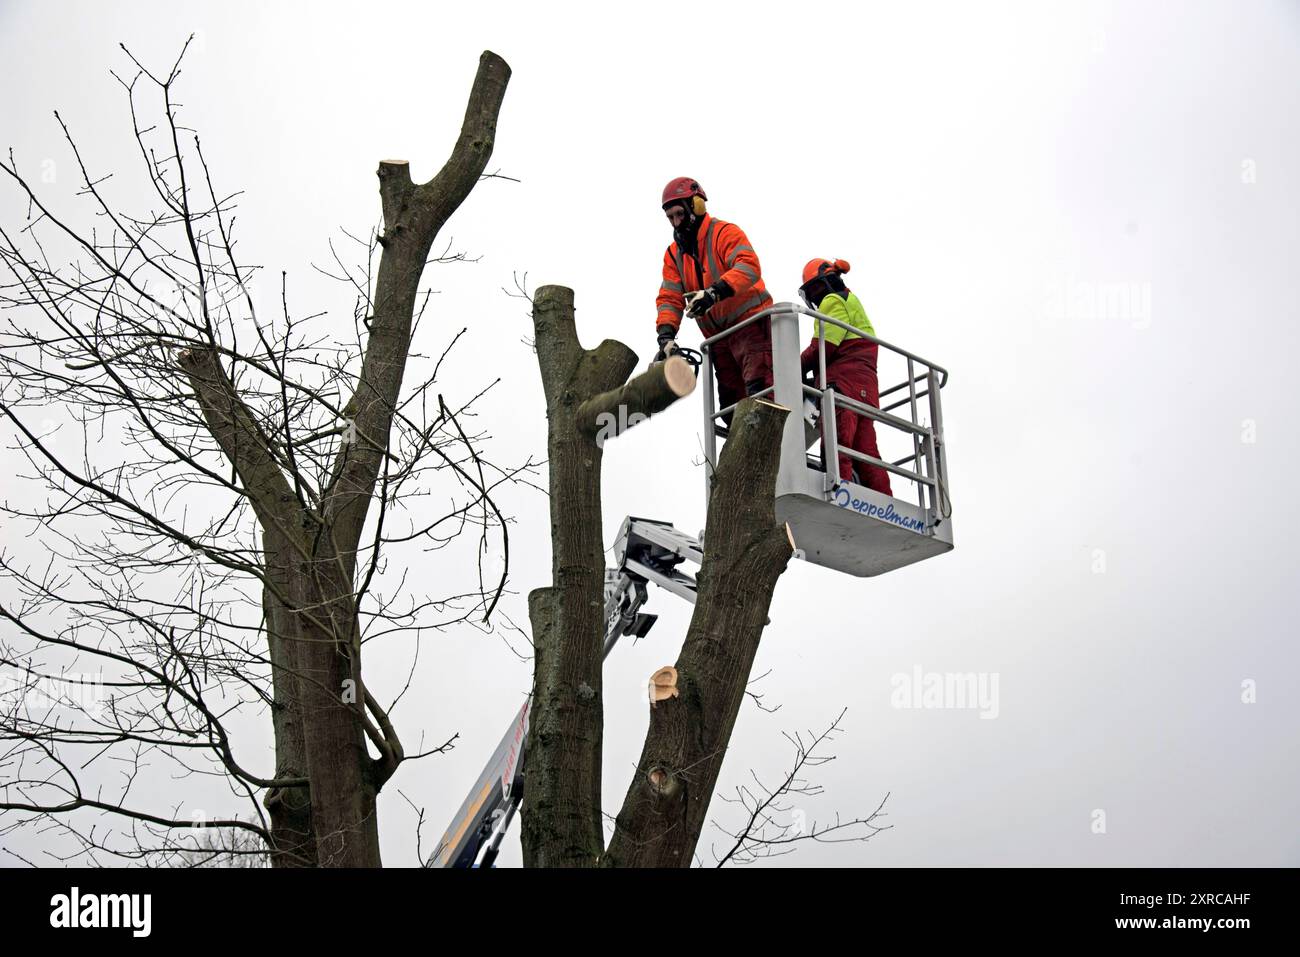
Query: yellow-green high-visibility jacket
[[845, 309]]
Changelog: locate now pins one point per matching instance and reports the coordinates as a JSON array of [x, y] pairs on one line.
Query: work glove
[[667, 343], [698, 303]]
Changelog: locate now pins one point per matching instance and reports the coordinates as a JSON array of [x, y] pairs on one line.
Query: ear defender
[[697, 205]]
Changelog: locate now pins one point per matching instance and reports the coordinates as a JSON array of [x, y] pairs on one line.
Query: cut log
[[614, 412]]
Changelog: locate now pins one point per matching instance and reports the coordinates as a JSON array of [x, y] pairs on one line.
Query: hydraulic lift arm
[[646, 552]]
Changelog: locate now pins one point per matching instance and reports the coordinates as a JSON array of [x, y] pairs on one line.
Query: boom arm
[[647, 552]]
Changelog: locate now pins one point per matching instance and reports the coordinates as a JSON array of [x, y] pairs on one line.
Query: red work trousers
[[743, 362], [852, 372]]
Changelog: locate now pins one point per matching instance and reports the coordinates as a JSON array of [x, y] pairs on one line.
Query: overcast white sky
[[987, 169]]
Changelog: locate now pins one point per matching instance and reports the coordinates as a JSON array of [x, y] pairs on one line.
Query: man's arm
[[808, 358], [739, 260], [671, 300], [836, 308]]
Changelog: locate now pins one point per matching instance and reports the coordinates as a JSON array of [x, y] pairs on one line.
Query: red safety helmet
[[822, 277], [820, 267], [683, 187]]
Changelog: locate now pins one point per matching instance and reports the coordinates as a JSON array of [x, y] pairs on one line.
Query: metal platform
[[858, 531], [838, 524]]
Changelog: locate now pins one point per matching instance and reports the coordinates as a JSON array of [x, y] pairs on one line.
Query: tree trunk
[[338, 766], [745, 552], [293, 842], [561, 823]]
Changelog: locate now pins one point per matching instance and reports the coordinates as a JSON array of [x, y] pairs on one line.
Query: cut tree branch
[[614, 412]]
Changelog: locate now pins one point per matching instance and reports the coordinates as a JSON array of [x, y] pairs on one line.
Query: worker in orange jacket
[[712, 274]]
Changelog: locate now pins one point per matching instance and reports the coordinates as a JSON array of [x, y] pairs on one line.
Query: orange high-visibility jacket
[[724, 253]]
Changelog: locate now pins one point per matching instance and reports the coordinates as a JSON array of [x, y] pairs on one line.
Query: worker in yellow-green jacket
[[850, 366]]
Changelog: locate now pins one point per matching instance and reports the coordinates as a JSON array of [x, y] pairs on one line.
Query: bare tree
[[226, 488]]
